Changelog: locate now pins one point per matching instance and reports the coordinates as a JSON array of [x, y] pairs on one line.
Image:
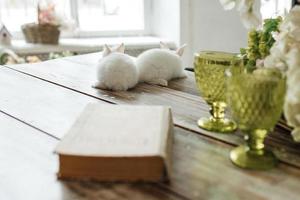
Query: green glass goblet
[[210, 67], [255, 101]]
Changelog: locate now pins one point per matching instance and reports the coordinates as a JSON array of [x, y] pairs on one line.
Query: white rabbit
[[158, 66], [116, 70]]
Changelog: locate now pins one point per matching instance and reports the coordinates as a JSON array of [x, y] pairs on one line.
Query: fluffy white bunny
[[158, 66], [116, 70]]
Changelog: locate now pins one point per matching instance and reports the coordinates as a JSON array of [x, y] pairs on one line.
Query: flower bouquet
[[47, 30], [285, 56], [275, 46]]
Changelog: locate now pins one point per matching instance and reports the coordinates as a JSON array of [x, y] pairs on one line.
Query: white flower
[[275, 62], [259, 63], [293, 92], [294, 15], [292, 102], [285, 55], [295, 32], [296, 134], [249, 18], [293, 59], [244, 6], [228, 4], [279, 49], [275, 35], [276, 59]]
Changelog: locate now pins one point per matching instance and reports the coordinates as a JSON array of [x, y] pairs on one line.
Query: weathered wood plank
[[187, 108], [30, 99], [201, 168], [206, 159], [28, 168]]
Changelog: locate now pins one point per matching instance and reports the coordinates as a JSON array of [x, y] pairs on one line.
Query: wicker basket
[[41, 33]]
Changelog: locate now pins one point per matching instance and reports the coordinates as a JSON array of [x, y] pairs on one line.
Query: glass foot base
[[242, 157], [221, 126]]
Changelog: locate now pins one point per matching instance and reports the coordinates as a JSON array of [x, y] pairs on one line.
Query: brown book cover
[[118, 143]]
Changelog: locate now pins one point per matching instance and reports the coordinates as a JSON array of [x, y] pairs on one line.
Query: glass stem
[[218, 110], [255, 141]]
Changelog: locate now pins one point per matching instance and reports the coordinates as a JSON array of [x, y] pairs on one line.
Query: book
[[118, 143]]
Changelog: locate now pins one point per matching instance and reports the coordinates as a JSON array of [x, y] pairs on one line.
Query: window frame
[[77, 33]]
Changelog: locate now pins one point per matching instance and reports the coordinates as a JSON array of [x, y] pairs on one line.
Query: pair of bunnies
[[118, 71]]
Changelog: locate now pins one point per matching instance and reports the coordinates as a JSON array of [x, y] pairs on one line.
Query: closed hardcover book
[[118, 143]]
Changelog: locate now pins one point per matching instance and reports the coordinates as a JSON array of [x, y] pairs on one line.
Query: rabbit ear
[[106, 50], [180, 50], [163, 45], [121, 48]]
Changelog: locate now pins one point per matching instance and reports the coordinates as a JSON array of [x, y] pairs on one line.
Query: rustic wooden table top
[[39, 103]]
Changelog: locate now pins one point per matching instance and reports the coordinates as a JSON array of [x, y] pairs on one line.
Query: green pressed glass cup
[[210, 67], [255, 101]]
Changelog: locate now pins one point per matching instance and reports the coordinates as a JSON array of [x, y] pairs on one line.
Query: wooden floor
[[39, 103]]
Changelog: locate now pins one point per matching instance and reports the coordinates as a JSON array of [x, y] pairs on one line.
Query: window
[[91, 17], [110, 15], [14, 13]]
